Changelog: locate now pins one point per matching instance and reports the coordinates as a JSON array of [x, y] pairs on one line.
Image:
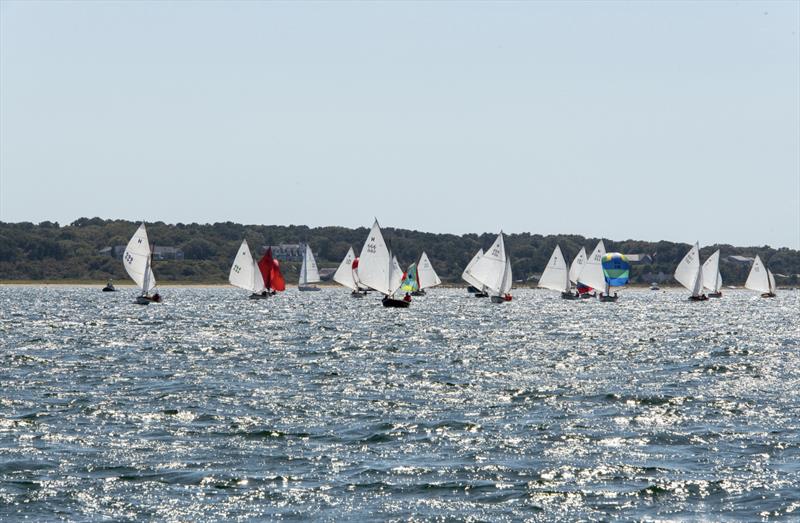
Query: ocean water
[[317, 406]]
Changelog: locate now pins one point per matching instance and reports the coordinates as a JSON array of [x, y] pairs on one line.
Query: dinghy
[[556, 276], [308, 272], [761, 279], [270, 270], [346, 276], [575, 269], [492, 272], [109, 286], [689, 273], [616, 270], [592, 274], [246, 274], [712, 279], [378, 269], [426, 275], [138, 264], [475, 287]]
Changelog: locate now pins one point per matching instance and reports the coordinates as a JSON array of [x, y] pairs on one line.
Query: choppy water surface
[[319, 406]]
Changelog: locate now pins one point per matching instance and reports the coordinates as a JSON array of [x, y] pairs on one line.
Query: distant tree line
[[49, 251]]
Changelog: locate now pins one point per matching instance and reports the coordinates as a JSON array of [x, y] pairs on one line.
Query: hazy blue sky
[[671, 120]]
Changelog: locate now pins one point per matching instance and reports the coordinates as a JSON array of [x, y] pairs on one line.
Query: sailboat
[[492, 272], [712, 279], [426, 276], [474, 285], [137, 260], [308, 272], [689, 273], [593, 276], [556, 276], [378, 269], [246, 274], [761, 279], [575, 269], [346, 275], [270, 270]]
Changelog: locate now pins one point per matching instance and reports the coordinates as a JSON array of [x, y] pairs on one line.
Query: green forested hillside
[[48, 251]]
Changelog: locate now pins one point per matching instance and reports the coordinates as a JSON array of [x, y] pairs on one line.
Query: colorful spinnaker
[[616, 269], [410, 281]]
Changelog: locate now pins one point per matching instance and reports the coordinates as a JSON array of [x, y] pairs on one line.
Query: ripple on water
[[317, 406]]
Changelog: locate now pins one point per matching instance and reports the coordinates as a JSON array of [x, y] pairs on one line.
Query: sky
[[624, 120]]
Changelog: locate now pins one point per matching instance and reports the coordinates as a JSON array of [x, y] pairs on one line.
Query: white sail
[[258, 278], [688, 271], [344, 274], [577, 266], [467, 275], [426, 276], [395, 276], [308, 270], [490, 268], [772, 286], [712, 279], [241, 274], [759, 277], [555, 276], [505, 285], [137, 260], [375, 263], [592, 273]]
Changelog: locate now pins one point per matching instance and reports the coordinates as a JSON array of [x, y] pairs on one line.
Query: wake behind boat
[[138, 264]]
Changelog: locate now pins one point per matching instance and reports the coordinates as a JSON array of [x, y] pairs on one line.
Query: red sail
[[265, 266], [278, 283]]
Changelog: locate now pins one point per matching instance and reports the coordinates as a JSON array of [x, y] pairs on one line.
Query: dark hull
[[147, 300], [358, 294], [472, 290], [768, 295], [308, 288], [418, 293], [398, 304], [569, 296], [260, 296], [609, 299], [702, 297], [500, 299], [714, 295], [481, 294], [586, 296], [109, 289]]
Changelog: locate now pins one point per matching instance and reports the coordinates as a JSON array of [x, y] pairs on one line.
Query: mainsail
[[712, 279], [377, 268], [467, 275], [689, 273], [592, 273], [555, 276], [490, 269], [344, 274], [760, 278], [242, 272], [577, 266], [308, 270], [426, 276], [137, 260]]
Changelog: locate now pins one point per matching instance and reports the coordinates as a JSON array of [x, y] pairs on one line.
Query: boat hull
[[260, 296], [397, 304], [702, 297], [109, 289], [481, 294], [308, 288], [714, 295], [472, 289], [147, 300], [609, 299], [768, 295], [418, 293], [569, 296], [501, 299], [357, 294]]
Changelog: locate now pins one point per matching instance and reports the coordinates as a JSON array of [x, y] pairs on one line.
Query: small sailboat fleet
[[490, 272], [263, 278], [138, 262], [379, 270], [602, 271], [689, 273], [309, 273], [761, 279]]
